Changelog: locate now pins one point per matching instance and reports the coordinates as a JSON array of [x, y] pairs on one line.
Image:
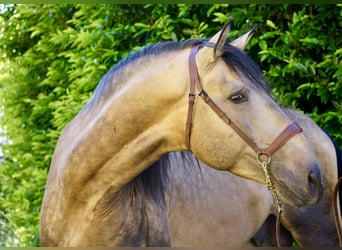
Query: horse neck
[[138, 121], [114, 139]]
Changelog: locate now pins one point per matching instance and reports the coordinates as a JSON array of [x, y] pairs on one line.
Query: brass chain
[[268, 182]]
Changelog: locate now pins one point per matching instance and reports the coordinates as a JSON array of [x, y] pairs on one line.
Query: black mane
[[234, 58], [153, 181], [154, 50]]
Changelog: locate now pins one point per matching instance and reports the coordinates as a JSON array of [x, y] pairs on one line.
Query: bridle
[[282, 138], [263, 155]]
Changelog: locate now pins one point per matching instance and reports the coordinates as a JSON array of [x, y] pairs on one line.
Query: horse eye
[[237, 97]]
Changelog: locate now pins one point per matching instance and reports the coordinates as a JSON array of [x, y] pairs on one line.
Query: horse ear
[[242, 41], [220, 38], [213, 49]]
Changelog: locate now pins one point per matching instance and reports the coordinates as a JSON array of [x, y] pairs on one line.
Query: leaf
[[271, 24], [263, 44], [310, 40], [220, 17]]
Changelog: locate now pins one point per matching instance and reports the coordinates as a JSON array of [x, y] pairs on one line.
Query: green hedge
[[52, 57]]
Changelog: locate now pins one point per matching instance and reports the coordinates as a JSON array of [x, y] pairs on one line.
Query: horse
[[145, 107]]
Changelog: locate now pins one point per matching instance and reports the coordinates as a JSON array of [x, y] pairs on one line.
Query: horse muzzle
[[307, 192]]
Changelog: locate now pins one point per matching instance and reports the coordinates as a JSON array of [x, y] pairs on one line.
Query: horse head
[[246, 122]]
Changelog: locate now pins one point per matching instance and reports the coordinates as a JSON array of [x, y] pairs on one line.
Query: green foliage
[[53, 56], [303, 63]]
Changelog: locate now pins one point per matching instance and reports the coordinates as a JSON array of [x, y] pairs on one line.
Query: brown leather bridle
[[267, 152]]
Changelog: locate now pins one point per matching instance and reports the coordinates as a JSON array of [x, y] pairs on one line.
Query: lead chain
[[269, 184]]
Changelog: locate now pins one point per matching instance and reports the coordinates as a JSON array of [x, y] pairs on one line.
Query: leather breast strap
[[282, 138]]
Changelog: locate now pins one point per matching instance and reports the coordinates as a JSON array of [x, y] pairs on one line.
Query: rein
[[335, 210], [337, 194], [263, 155]]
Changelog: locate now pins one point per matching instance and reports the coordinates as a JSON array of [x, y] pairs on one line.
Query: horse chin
[[311, 225], [303, 235], [309, 238]]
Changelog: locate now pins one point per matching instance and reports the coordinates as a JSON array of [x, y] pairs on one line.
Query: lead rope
[[335, 210], [264, 164]]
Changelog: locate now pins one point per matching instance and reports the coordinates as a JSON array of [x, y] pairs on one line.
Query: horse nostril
[[314, 180]]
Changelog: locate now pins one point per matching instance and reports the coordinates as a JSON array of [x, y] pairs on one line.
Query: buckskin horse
[[201, 95]]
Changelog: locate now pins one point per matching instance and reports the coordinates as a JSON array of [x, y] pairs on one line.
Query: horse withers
[[138, 113]]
